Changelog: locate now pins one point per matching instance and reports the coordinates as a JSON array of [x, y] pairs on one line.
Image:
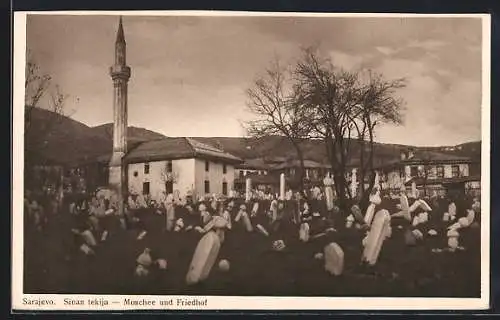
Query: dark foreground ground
[[54, 265]]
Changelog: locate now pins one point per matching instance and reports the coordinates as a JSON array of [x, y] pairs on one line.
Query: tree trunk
[[300, 155], [332, 147], [369, 169]]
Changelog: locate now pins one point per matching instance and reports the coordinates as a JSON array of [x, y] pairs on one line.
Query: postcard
[[209, 160]]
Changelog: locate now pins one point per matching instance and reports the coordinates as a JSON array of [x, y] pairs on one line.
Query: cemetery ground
[[53, 264]]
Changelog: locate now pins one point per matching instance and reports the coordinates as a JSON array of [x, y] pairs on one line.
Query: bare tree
[[377, 105], [346, 107], [329, 95], [272, 100], [168, 175], [39, 90]]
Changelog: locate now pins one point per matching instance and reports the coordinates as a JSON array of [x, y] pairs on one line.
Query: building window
[[422, 172], [169, 187], [146, 168], [414, 171], [314, 174], [440, 171], [207, 186], [207, 165], [224, 188], [429, 172], [169, 166], [475, 169], [224, 169], [145, 188], [455, 171]]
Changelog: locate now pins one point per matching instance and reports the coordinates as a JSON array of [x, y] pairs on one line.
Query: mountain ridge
[[97, 141]]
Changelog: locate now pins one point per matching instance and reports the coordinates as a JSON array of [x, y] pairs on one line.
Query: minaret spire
[[120, 74], [120, 37], [120, 46]]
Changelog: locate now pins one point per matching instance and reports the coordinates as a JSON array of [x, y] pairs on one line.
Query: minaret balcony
[[119, 72]]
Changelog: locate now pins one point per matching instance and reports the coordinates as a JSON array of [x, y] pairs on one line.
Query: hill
[[279, 147], [54, 138], [60, 139], [68, 140], [135, 133]]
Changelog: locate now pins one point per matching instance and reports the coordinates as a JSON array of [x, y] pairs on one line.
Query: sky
[[190, 73]]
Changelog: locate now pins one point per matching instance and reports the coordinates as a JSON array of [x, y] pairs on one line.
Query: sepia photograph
[[250, 157]]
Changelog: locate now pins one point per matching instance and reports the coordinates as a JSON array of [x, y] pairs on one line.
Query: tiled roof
[[424, 156], [420, 181], [257, 164], [296, 163], [206, 150], [259, 179], [176, 148]]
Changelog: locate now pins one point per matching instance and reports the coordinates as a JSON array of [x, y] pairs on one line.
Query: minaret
[[120, 73]]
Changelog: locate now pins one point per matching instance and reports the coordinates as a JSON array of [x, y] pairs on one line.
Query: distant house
[[182, 164], [314, 171], [432, 172], [251, 166], [265, 173]]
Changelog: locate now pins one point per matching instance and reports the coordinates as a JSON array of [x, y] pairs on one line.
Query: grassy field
[[53, 264]]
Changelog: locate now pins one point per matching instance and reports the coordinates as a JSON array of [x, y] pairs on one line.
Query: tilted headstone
[[204, 258], [374, 201], [425, 206], [89, 238], [376, 236], [86, 249], [221, 234], [262, 230], [471, 214], [255, 208], [415, 205]]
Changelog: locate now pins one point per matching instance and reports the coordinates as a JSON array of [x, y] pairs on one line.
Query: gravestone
[[334, 259], [304, 232], [248, 189], [376, 236], [282, 186], [204, 257]]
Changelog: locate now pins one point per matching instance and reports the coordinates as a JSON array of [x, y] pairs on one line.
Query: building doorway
[[169, 187]]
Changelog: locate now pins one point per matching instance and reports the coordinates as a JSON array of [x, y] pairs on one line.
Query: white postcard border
[[116, 302]]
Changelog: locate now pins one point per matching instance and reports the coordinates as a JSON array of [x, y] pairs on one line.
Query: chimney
[[411, 153], [219, 145], [403, 155]]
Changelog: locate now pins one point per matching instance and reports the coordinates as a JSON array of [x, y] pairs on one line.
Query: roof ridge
[[188, 140], [206, 146]]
